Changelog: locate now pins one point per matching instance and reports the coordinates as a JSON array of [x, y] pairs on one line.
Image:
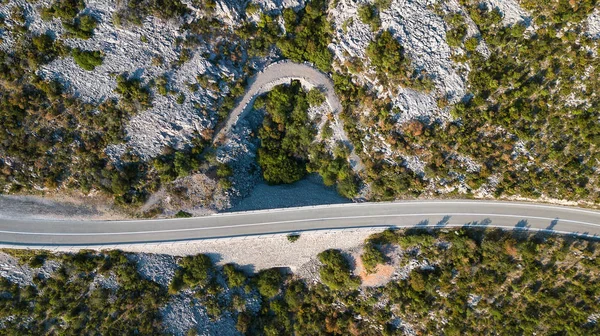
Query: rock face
[[593, 23], [423, 35], [145, 52], [511, 11], [156, 48]]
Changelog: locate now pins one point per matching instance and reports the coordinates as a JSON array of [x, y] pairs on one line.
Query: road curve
[[449, 213], [282, 73]]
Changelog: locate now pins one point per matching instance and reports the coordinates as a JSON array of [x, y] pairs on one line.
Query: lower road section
[[399, 214]]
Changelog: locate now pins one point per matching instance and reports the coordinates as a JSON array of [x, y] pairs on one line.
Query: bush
[[293, 237], [224, 171], [63, 9], [308, 35], [235, 277], [269, 282], [133, 94], [335, 272], [87, 60], [457, 33], [285, 135], [195, 271], [315, 97], [82, 27], [369, 14], [387, 55], [471, 44], [326, 130], [183, 214], [38, 260], [371, 257], [136, 10], [243, 322]]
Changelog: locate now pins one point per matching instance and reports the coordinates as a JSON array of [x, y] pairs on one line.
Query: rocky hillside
[[442, 98], [415, 282]]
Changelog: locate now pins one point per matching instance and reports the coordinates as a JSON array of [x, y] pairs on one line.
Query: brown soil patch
[[382, 275]]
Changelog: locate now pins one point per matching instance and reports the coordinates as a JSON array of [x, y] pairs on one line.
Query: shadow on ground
[[308, 191]]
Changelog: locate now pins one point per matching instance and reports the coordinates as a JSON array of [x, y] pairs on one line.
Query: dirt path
[[281, 73]]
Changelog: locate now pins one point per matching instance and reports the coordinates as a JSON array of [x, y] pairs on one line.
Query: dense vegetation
[[529, 119], [51, 140], [68, 304], [287, 148], [87, 60], [135, 11], [524, 88], [308, 33], [471, 281]]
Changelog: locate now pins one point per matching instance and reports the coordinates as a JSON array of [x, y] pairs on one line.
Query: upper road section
[[277, 74], [282, 73], [401, 214]]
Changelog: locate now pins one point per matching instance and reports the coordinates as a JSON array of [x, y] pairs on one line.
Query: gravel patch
[[415, 163], [423, 35], [593, 24], [511, 10], [403, 272], [184, 313], [159, 268], [59, 207], [166, 122], [473, 300], [106, 282], [49, 267], [11, 270], [254, 253], [30, 207]]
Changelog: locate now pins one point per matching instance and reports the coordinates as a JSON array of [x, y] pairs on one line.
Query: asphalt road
[[399, 214]]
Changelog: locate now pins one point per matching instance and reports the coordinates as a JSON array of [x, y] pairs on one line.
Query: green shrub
[[82, 27], [308, 35], [285, 135], [224, 171], [269, 282], [369, 14], [315, 97], [457, 33], [387, 54], [371, 257], [326, 130], [63, 9], [471, 44], [183, 214], [87, 60], [133, 94], [135, 11], [243, 322], [37, 261], [293, 237], [235, 277], [195, 271], [336, 272]]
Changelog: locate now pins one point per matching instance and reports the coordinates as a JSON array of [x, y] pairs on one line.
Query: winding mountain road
[[32, 233], [282, 73], [446, 213]]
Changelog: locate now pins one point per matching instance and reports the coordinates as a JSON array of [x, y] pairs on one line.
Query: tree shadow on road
[[552, 225], [442, 223]]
